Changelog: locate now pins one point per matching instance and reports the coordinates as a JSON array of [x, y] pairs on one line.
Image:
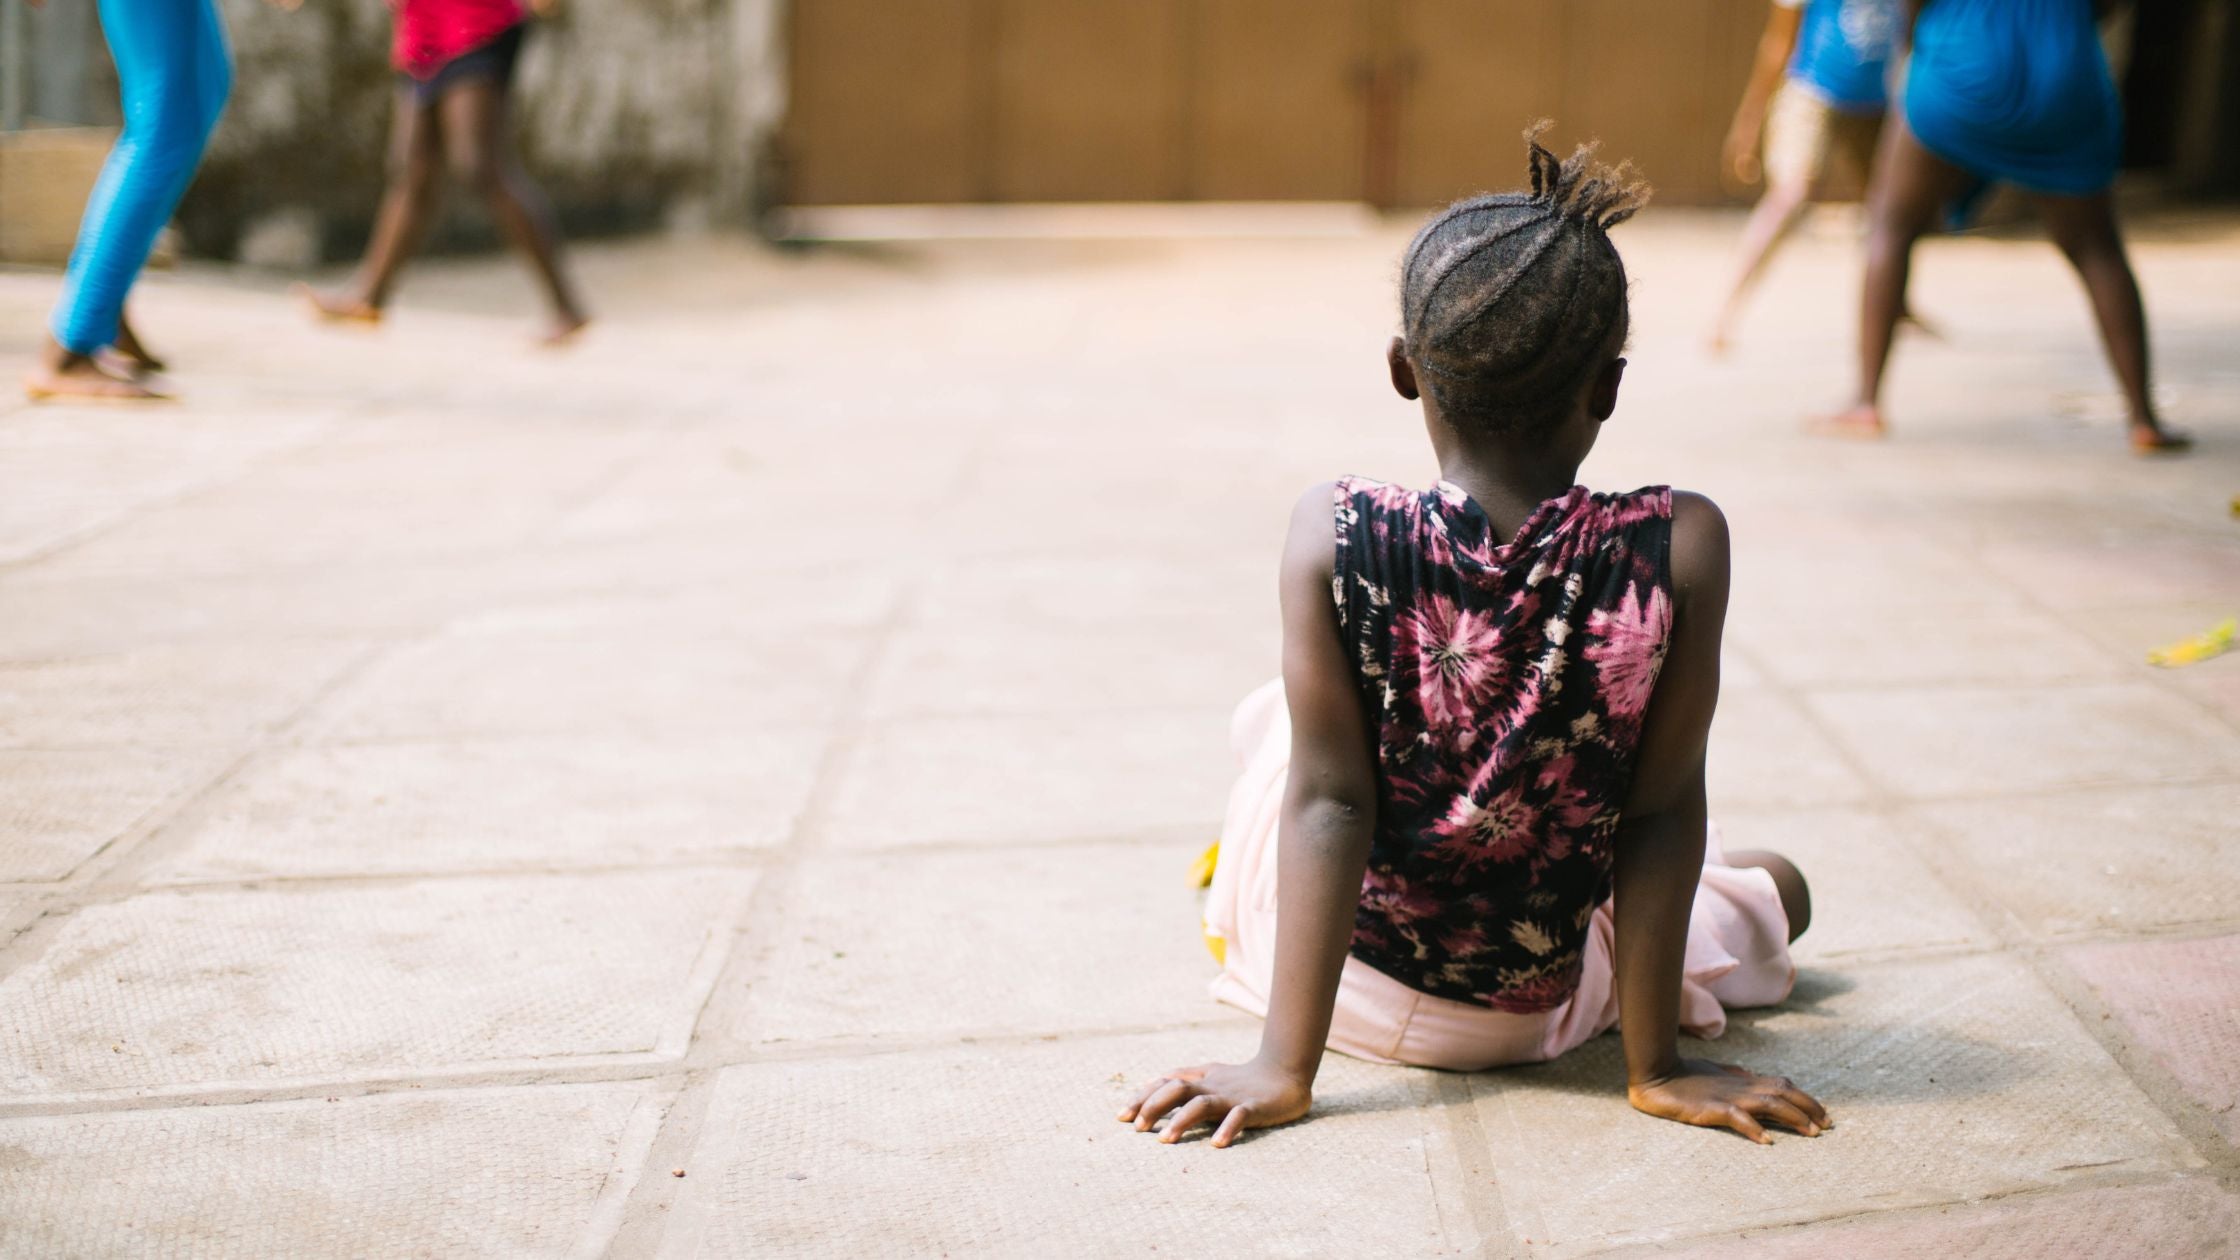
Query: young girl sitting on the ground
[[1489, 789]]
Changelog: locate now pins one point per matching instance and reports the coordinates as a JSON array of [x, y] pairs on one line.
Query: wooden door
[[1653, 80], [1656, 81], [1276, 94], [1088, 100], [889, 101], [1400, 102], [1473, 75]]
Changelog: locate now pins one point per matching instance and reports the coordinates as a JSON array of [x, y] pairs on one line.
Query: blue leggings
[[175, 72]]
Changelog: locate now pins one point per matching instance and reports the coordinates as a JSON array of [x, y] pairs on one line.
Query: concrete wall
[[633, 113]]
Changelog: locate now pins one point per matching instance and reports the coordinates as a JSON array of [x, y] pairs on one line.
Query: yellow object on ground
[[1201, 876], [2211, 642], [1201, 871]]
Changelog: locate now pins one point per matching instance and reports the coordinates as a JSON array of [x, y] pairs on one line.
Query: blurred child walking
[[456, 60], [1817, 94], [2017, 92], [1471, 828], [174, 73]]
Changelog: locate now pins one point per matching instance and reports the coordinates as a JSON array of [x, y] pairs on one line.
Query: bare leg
[[415, 154], [1910, 183], [1770, 221], [2084, 228], [478, 141], [1796, 896]]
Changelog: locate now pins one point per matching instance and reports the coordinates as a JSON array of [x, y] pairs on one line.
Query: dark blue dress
[[2016, 91]]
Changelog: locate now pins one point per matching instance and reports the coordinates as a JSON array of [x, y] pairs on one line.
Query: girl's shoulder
[[1646, 503], [1370, 493]]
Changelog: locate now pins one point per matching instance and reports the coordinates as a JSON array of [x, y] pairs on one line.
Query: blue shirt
[[1843, 52]]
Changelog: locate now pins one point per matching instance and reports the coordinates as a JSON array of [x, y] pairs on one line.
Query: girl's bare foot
[[124, 366], [1862, 421], [1914, 323], [77, 378], [135, 355], [564, 328], [338, 308], [2153, 439]]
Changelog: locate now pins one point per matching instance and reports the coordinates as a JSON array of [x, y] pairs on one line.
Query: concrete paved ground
[[726, 790]]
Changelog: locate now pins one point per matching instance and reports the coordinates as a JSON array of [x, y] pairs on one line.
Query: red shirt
[[433, 32]]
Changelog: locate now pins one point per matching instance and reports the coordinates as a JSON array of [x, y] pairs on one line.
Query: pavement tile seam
[[834, 1048], [993, 1192], [2050, 792], [716, 1012], [46, 961], [2091, 1012], [178, 786], [2068, 620], [670, 1075], [625, 1065], [744, 859], [305, 813], [1150, 836], [1981, 893], [2138, 1033], [557, 1172], [393, 698], [2154, 1079], [2077, 1119], [1480, 1191], [54, 548], [1963, 883], [1826, 1231], [124, 849]]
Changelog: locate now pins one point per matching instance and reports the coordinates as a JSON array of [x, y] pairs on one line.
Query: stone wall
[[632, 113]]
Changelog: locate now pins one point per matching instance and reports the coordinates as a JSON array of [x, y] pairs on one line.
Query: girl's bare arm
[[1329, 811], [1774, 48], [1660, 859]]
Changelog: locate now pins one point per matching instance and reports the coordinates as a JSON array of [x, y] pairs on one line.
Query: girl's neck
[[1507, 484]]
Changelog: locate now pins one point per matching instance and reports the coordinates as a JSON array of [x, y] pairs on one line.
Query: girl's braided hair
[[1510, 302]]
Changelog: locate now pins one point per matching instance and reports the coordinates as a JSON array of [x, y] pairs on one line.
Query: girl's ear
[[1602, 397], [1403, 372]]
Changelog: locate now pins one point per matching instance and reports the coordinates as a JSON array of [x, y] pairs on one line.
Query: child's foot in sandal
[[2153, 439], [338, 308], [563, 330], [1863, 422], [78, 378]]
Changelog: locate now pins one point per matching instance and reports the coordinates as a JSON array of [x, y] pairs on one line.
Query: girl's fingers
[[1187, 1117], [1747, 1125], [1807, 1104], [1161, 1101], [1776, 1108], [1231, 1125], [1129, 1112], [1179, 1074]]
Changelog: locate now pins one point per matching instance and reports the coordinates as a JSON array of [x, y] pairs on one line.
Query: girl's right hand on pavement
[[1232, 1097], [1721, 1095]]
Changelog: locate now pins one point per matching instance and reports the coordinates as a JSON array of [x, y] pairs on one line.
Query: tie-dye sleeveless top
[[1505, 681]]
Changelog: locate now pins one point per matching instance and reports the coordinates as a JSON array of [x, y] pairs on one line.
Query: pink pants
[[1738, 942]]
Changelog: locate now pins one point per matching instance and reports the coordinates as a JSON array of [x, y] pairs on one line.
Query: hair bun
[[1578, 187]]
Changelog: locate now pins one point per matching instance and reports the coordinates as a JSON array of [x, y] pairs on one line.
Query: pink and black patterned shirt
[[1505, 682]]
